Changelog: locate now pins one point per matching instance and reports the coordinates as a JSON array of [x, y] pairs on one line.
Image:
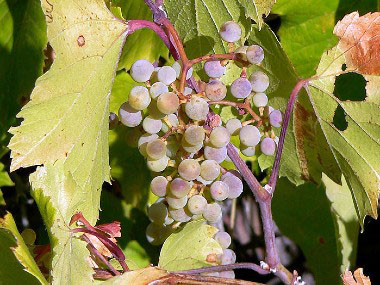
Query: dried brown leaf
[[360, 278], [360, 42]]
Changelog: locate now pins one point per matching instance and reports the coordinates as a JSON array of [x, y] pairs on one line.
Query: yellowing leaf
[[360, 278], [138, 277], [189, 247], [65, 126], [17, 263]]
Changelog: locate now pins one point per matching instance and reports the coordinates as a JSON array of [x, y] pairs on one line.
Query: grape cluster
[[184, 142]]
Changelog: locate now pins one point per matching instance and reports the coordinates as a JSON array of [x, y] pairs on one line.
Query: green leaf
[[189, 247], [198, 23], [5, 180], [317, 226], [22, 40], [353, 147], [17, 263], [347, 224], [306, 31], [65, 126], [256, 9], [143, 44]]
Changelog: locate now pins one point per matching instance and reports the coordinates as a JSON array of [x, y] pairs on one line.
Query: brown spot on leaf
[[322, 240], [81, 41], [360, 41]]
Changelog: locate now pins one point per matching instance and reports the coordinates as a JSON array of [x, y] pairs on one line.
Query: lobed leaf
[[189, 247], [257, 9]]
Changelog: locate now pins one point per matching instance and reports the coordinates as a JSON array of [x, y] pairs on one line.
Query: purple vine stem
[[289, 108], [228, 267]]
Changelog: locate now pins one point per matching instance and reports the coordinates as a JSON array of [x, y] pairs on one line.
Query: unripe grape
[[197, 109], [176, 203], [151, 125], [235, 185], [158, 165], [214, 69], [188, 91], [143, 142], [228, 257], [154, 112], [217, 154], [139, 98], [247, 150], [255, 54], [212, 213], [168, 103], [241, 88], [230, 32], [233, 126], [113, 120], [210, 170], [180, 215], [260, 100], [219, 137], [259, 81], [223, 238], [166, 75], [157, 89], [172, 147], [142, 70], [197, 204], [275, 118], [189, 169], [153, 234], [159, 185], [179, 187], [216, 90], [194, 135], [129, 116], [156, 149], [219, 190], [189, 147], [249, 135], [158, 212], [268, 146]]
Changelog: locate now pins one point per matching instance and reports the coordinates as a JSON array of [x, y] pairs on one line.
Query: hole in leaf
[[339, 119], [350, 86]]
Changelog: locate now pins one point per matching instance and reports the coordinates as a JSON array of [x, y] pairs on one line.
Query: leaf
[[311, 223], [17, 263], [65, 126], [138, 277], [361, 279], [144, 44], [353, 147], [22, 40], [198, 23], [359, 42], [189, 247], [306, 31], [256, 9], [5, 180]]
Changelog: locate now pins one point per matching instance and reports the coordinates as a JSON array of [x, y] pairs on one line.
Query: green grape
[[176, 203], [153, 111], [217, 154], [259, 81], [129, 116], [197, 109], [249, 135], [228, 257], [158, 165], [143, 142], [194, 135], [219, 137], [172, 147], [197, 204], [212, 213], [142, 70], [233, 126], [189, 169], [210, 170], [139, 98], [157, 213], [191, 148], [166, 75], [223, 238], [230, 32], [168, 103], [247, 150], [216, 90], [157, 89], [159, 185], [255, 54], [219, 190], [180, 215], [260, 100], [156, 149], [151, 125]]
